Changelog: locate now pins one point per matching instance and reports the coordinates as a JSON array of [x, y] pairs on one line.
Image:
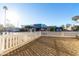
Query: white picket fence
[[60, 34], [13, 41]]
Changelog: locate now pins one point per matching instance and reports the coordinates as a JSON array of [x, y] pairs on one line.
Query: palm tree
[[5, 9], [75, 18]]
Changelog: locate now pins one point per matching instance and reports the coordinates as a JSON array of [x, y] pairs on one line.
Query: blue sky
[[46, 13]]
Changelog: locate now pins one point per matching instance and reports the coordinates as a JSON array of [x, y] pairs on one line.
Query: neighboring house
[[58, 29], [68, 27], [12, 29], [27, 28], [40, 27], [34, 27]]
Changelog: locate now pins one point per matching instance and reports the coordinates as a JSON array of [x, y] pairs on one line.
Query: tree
[[68, 25], [1, 28], [10, 25], [75, 28], [26, 28], [75, 18], [52, 28], [5, 7], [63, 27]]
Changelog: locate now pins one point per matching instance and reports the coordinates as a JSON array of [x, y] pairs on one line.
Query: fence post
[[10, 42], [3, 43], [7, 42], [62, 34], [0, 43]]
